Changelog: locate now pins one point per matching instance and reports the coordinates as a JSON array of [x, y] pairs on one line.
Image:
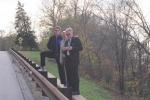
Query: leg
[[43, 55], [75, 78], [61, 72], [68, 71], [72, 75]]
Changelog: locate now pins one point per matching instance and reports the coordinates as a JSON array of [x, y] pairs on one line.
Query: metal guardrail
[[49, 84], [46, 83]]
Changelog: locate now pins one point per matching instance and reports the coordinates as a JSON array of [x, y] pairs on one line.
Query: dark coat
[[52, 45], [72, 63], [76, 48]]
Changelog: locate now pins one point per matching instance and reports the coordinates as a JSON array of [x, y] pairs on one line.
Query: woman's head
[[64, 35], [69, 32]]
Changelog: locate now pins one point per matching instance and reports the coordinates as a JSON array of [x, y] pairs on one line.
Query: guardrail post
[[37, 85], [67, 92], [53, 81], [33, 64], [37, 67], [30, 61], [26, 59], [43, 93], [44, 73]]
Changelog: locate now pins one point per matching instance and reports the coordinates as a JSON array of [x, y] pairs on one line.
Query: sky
[[8, 11], [32, 7], [145, 5]]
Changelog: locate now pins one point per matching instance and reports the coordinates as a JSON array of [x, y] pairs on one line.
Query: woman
[[62, 55], [62, 45], [71, 49]]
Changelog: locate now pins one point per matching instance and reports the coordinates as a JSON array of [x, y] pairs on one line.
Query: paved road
[[10, 88]]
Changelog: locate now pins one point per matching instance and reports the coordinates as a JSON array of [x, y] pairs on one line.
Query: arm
[[77, 45]]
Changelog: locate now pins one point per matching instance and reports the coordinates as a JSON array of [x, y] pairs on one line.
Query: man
[[71, 50], [54, 52]]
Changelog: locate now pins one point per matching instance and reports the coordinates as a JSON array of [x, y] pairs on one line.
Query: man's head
[[57, 31], [69, 32]]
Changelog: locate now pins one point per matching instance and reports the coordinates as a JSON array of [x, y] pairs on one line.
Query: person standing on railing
[[54, 52], [71, 50]]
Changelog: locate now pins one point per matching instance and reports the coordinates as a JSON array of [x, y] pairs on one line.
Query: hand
[[65, 48], [70, 48]]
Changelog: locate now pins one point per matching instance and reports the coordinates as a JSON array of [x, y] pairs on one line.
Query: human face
[[57, 32], [69, 35], [64, 35]]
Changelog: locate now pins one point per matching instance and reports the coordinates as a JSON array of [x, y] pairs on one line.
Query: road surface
[[12, 85]]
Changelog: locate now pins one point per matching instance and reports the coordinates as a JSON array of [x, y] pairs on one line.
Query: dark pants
[[72, 73], [56, 57]]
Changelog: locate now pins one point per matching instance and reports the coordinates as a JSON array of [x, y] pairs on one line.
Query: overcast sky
[[8, 10], [32, 7]]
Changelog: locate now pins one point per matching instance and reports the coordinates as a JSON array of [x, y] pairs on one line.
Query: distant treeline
[[7, 42], [115, 35]]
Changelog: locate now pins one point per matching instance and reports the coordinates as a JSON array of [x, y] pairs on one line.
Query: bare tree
[[52, 12]]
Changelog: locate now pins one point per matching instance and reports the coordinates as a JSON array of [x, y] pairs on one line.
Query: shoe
[[43, 69], [75, 93]]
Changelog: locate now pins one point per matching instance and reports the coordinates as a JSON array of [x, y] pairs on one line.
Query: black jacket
[[52, 45], [76, 48]]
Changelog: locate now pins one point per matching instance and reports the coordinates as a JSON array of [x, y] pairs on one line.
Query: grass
[[89, 89]]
